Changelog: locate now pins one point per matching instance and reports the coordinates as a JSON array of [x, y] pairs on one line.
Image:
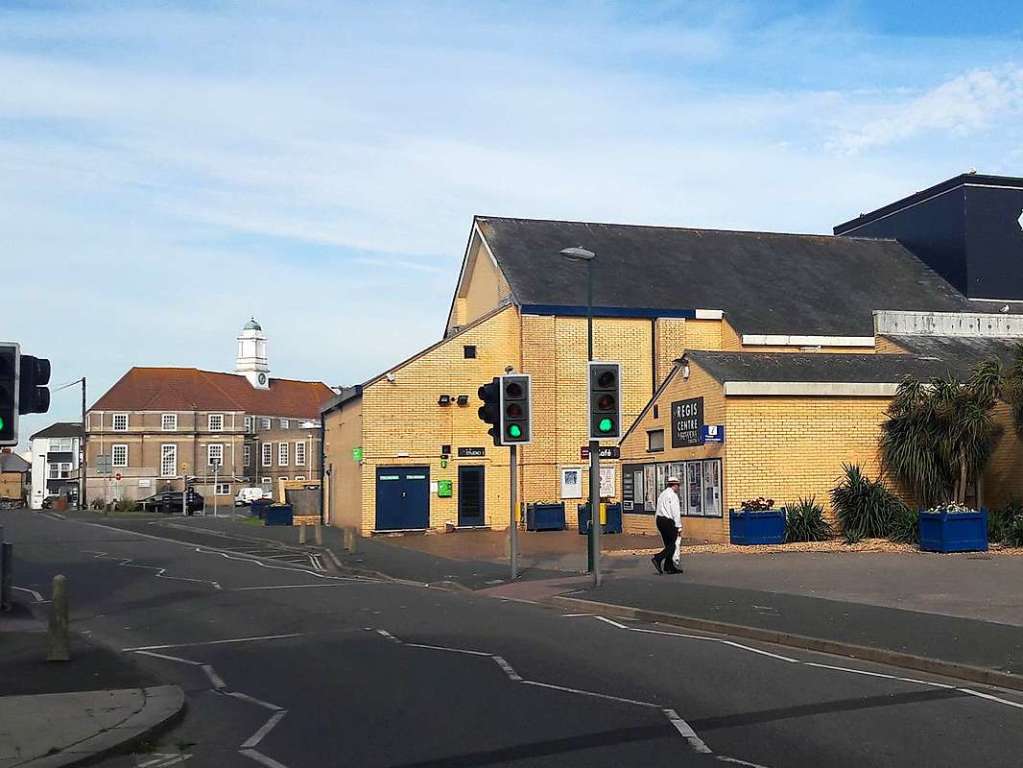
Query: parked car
[[248, 495], [169, 502]]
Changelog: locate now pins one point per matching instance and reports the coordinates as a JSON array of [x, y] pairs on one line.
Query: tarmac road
[[285, 665]]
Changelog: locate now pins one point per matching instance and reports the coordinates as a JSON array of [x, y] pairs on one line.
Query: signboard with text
[[687, 422], [471, 453], [606, 452]]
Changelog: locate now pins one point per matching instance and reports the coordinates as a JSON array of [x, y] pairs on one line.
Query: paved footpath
[[285, 665]]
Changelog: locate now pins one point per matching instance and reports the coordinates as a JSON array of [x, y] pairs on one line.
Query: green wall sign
[[357, 454], [443, 488]]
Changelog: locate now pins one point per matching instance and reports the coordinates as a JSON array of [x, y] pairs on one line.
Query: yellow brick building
[[406, 450]]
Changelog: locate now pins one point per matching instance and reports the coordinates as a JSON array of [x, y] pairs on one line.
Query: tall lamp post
[[593, 540]]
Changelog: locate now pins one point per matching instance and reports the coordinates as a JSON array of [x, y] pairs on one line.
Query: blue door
[[403, 498]]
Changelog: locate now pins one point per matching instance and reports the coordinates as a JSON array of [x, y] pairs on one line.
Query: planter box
[[766, 527], [612, 518], [545, 517], [955, 532]]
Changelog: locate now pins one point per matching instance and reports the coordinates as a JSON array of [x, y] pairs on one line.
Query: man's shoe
[[657, 564]]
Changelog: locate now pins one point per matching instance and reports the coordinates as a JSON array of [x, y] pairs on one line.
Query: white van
[[247, 495]]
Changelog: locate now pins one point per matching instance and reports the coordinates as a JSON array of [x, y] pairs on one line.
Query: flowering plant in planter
[[759, 504], [952, 508]]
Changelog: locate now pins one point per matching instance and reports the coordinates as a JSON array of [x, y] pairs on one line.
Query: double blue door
[[403, 498]]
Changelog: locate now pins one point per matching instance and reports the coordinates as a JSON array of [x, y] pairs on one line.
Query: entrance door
[[403, 498], [470, 496]]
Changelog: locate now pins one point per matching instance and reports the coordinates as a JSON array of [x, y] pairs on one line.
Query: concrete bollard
[[60, 637], [318, 530], [301, 534], [350, 539]]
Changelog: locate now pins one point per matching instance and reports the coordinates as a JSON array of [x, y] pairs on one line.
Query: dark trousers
[[668, 533]]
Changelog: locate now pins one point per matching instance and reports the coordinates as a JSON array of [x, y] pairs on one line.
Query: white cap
[[673, 480]]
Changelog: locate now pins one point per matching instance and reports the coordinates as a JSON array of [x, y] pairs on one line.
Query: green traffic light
[[605, 425], [514, 430], [2, 423]]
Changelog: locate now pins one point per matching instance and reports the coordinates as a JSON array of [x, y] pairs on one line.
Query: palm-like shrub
[[805, 521], [939, 436], [864, 507]]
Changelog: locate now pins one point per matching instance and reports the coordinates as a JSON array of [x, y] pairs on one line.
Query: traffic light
[[9, 356], [515, 410], [33, 394], [605, 397], [490, 411]]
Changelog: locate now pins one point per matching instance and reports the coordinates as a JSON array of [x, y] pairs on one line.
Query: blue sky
[[168, 169]]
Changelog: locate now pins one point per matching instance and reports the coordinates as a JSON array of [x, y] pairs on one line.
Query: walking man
[[669, 525]]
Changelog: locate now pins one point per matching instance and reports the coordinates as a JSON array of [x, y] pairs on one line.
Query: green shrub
[[804, 521], [865, 507], [1005, 524], [124, 505], [905, 526], [97, 503]]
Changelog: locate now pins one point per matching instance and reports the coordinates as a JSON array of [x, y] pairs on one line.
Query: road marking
[[448, 650], [876, 674], [687, 732], [129, 562], [294, 586], [989, 697], [163, 759], [594, 694], [388, 635], [611, 622], [259, 757], [253, 700], [212, 642], [737, 761], [575, 615], [508, 669], [211, 673], [36, 595], [257, 737], [757, 650], [169, 658]]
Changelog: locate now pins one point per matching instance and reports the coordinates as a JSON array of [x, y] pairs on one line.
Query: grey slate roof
[[967, 350], [821, 367], [60, 429], [12, 462], [766, 283]]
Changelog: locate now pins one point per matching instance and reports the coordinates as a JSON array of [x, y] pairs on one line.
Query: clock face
[[262, 378]]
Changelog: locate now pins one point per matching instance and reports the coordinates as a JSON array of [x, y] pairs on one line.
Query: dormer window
[[120, 422], [215, 422]]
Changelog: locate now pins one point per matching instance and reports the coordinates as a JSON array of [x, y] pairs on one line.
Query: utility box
[[444, 489]]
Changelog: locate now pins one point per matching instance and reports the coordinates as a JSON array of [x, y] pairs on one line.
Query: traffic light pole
[[595, 510], [82, 460], [513, 523]]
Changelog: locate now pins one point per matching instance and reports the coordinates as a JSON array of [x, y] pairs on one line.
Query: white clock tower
[[251, 361]]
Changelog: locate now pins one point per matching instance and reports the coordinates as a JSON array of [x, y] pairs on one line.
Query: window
[[246, 455], [215, 454], [264, 423], [215, 422], [699, 494], [282, 454], [65, 470], [284, 478], [168, 460], [655, 440], [299, 454], [169, 422], [222, 489], [300, 477], [53, 471], [248, 423], [469, 351], [266, 481], [61, 445], [119, 455], [120, 422], [284, 423], [268, 454], [656, 412]]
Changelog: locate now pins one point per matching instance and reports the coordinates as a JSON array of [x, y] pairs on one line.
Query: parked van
[[247, 495]]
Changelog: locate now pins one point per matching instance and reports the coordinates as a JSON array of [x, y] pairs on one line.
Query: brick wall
[[343, 432], [1003, 480]]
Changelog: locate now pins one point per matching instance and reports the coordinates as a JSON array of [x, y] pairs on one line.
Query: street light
[[593, 540]]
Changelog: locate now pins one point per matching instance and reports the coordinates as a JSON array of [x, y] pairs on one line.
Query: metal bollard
[[60, 638], [318, 530], [301, 534]]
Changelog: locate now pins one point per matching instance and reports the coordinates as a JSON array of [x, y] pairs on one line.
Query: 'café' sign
[[687, 422]]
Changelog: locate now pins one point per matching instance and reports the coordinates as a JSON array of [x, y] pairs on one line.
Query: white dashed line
[[296, 586], [612, 622], [687, 732], [508, 669], [384, 633], [448, 650], [36, 595], [262, 759], [594, 694], [737, 761], [253, 700], [876, 674], [215, 679], [169, 658], [989, 697], [161, 573], [211, 642]]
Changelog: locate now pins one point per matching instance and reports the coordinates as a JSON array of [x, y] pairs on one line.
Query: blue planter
[[545, 517], [955, 532], [613, 515], [767, 527], [279, 514]]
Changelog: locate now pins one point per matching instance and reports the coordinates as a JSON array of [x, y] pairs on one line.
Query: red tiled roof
[[186, 389]]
